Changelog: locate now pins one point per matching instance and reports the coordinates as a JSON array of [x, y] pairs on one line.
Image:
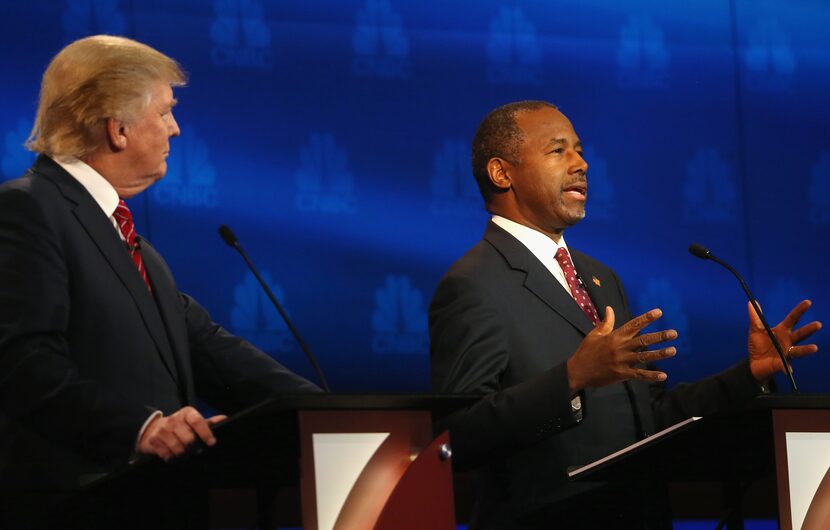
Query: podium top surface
[[288, 404], [792, 401], [734, 445]]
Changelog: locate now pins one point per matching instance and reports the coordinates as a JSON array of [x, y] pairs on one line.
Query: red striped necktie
[[125, 223], [578, 291]]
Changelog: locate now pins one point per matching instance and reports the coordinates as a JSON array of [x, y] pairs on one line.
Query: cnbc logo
[[642, 58], [324, 184], [769, 61], [454, 190], [88, 17], [240, 35], [190, 178], [254, 318], [660, 292], [399, 320], [513, 51], [380, 45], [709, 192]]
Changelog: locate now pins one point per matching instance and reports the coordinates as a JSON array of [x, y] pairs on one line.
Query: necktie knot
[[125, 223]]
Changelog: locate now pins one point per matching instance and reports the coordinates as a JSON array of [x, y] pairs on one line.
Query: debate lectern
[[361, 462], [786, 437]]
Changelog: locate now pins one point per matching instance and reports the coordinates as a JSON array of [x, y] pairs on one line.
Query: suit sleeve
[[469, 352], [40, 386], [230, 373], [731, 389]]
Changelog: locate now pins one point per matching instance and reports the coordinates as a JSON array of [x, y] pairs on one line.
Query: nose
[[578, 164], [174, 126]]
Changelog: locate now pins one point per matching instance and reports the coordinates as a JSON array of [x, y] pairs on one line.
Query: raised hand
[[764, 361], [608, 356]]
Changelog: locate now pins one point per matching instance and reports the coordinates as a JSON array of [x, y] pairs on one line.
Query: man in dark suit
[[545, 334], [101, 358]]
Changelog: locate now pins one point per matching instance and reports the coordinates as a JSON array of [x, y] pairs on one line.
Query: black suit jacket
[[86, 352], [502, 326]]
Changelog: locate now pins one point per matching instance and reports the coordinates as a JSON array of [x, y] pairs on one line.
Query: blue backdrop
[[333, 136]]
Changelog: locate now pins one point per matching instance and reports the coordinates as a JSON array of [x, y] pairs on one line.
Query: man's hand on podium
[[171, 436]]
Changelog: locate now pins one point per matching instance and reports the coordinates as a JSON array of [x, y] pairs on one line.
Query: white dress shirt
[[540, 245]]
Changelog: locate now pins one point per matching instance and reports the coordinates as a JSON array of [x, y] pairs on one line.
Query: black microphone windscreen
[[228, 235], [699, 251]]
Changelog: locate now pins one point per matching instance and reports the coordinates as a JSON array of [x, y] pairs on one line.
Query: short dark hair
[[499, 136]]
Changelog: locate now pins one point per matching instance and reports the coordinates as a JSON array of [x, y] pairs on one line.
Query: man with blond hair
[[101, 358]]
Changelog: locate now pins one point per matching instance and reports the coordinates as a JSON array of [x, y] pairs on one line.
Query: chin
[[577, 214]]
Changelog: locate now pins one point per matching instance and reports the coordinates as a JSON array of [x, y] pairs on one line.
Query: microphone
[[230, 238], [704, 253]]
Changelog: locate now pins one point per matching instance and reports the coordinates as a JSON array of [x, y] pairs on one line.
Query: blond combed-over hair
[[91, 80]]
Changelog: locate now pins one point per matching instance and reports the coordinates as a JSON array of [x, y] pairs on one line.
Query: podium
[[786, 437], [360, 461]]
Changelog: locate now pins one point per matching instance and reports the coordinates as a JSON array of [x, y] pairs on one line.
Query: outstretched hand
[[764, 361], [608, 356]]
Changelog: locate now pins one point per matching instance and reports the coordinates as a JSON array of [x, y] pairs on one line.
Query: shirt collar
[[540, 245], [94, 183]]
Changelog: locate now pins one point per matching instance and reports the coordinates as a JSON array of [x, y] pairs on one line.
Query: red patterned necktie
[[579, 292], [125, 223]]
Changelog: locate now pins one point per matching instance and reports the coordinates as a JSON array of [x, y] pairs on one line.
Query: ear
[[497, 169], [116, 134]]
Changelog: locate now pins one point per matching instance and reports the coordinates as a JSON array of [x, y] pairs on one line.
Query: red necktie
[[125, 223], [579, 292]]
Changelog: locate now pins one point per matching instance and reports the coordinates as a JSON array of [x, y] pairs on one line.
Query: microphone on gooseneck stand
[[230, 238], [704, 253]]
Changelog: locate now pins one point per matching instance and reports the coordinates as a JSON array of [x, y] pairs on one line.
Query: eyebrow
[[562, 141]]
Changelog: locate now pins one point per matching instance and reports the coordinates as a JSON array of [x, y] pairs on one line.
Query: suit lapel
[[103, 235], [167, 300], [538, 279], [593, 285]]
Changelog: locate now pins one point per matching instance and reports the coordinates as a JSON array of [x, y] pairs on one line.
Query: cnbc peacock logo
[[324, 183], [240, 35], [255, 318], [381, 47], [399, 320], [642, 57], [513, 51]]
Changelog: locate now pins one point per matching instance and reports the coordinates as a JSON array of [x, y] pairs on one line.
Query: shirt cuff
[[156, 414]]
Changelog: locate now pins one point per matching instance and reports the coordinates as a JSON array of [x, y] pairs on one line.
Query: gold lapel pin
[[596, 281]]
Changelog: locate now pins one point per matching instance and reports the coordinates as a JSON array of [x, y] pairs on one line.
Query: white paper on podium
[[808, 459], [645, 441], [339, 458]]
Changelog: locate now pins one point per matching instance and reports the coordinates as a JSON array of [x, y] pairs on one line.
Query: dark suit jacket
[[86, 352], [502, 326]]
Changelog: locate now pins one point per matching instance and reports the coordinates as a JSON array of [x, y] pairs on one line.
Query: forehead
[[161, 94], [544, 124]]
